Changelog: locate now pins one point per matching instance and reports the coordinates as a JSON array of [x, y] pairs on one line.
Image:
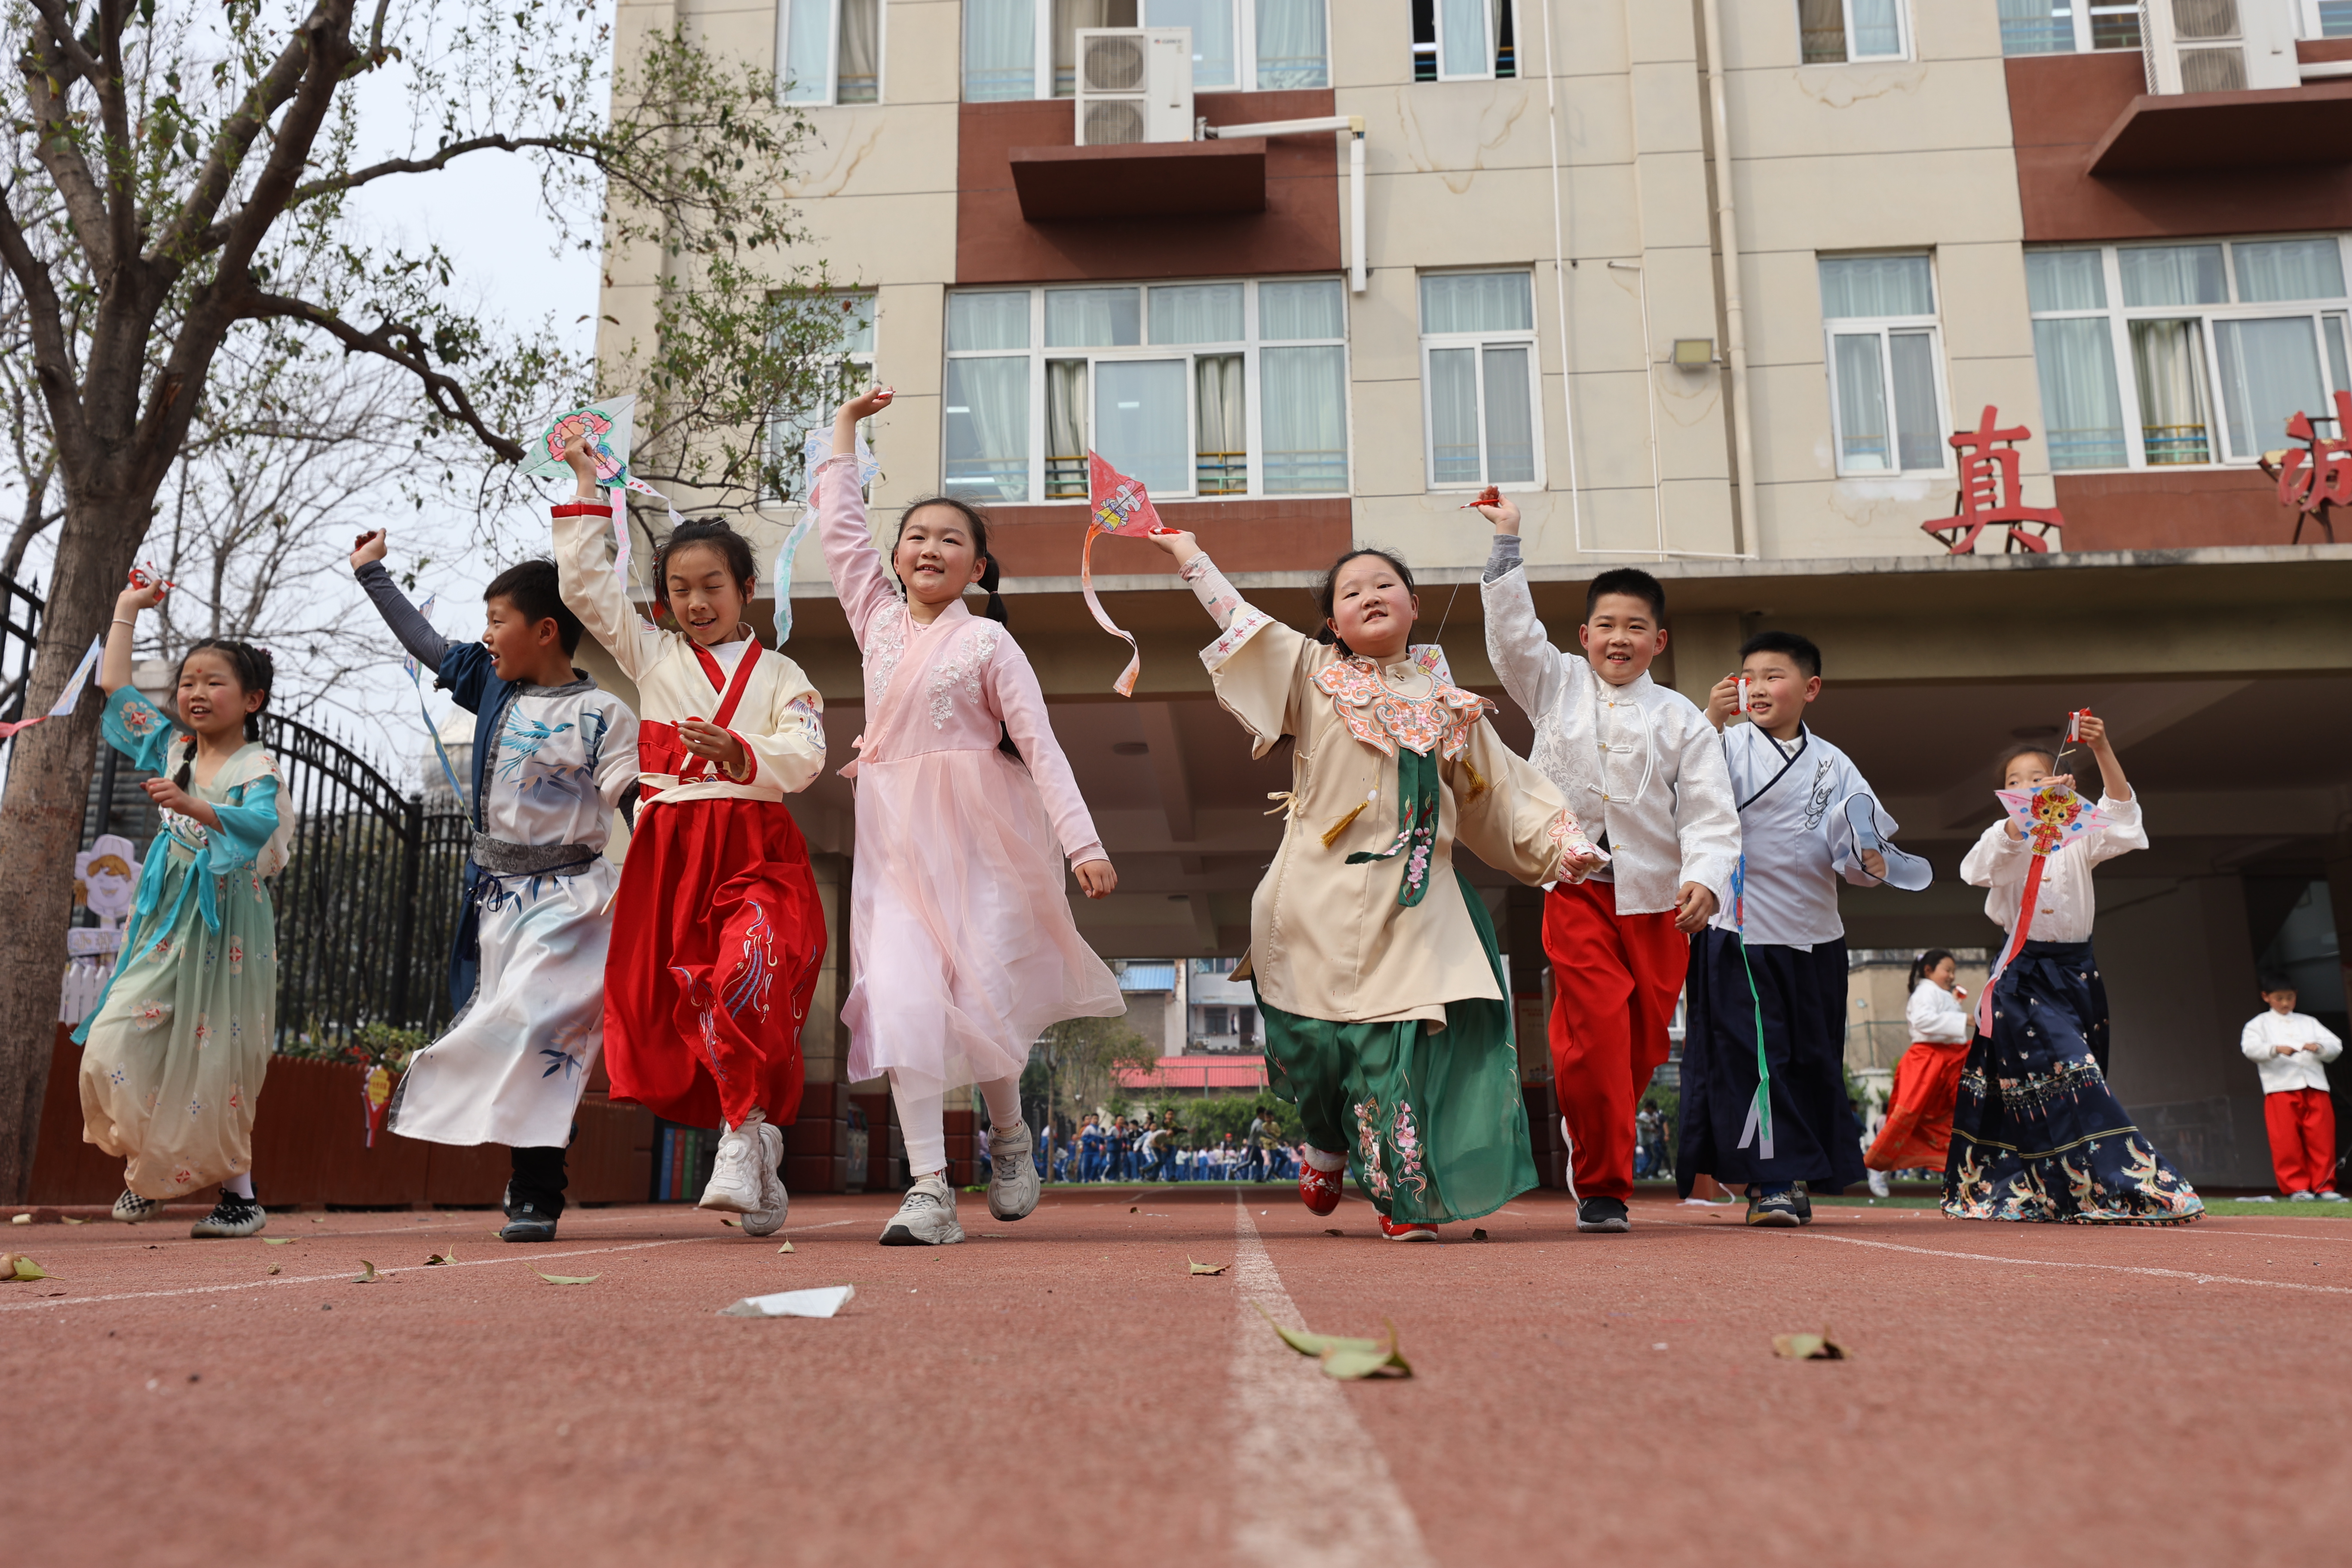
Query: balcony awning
[[2159, 133], [1140, 179]]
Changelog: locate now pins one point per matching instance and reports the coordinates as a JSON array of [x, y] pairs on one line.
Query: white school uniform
[[1806, 813]]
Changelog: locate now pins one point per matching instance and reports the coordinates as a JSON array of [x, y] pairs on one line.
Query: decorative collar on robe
[[1383, 720]]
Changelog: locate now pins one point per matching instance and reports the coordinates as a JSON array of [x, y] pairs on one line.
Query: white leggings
[[922, 1120]]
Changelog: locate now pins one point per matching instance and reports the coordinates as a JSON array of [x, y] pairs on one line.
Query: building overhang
[[1140, 179], [2160, 133]]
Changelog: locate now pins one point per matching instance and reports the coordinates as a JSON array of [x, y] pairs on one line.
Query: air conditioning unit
[[2217, 45], [1135, 84]]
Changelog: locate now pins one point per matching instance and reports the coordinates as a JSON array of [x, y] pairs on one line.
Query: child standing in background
[[552, 758], [717, 928], [175, 1052], [2298, 1112], [2037, 1134], [963, 945], [1918, 1131]]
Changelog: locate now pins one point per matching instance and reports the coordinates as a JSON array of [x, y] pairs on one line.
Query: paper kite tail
[[1125, 684]]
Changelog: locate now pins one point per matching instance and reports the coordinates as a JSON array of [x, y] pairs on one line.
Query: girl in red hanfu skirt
[[717, 928]]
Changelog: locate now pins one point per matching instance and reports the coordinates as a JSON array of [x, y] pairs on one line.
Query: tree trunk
[[41, 820]]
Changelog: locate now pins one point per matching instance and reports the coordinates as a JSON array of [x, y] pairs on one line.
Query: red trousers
[[2302, 1125], [1918, 1131], [717, 936], [1614, 981]]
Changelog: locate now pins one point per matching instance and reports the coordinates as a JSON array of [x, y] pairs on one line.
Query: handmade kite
[[608, 426], [2050, 815], [67, 700], [815, 449], [1491, 496], [1121, 506]]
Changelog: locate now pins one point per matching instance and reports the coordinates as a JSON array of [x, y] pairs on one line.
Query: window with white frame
[[1478, 379], [829, 51], [2068, 26], [1221, 388], [1832, 31], [2325, 18], [2157, 355], [1887, 377], [1464, 40], [1028, 49]]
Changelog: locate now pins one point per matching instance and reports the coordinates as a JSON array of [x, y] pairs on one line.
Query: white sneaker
[[1012, 1172], [2303, 1197], [131, 1209], [2332, 1197], [774, 1202], [926, 1216], [1877, 1184], [735, 1171]]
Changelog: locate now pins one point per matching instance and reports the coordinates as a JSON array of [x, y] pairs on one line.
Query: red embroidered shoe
[[1319, 1190], [1396, 1232]]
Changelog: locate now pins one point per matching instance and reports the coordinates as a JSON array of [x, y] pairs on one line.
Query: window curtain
[[1475, 302], [860, 68], [2169, 361], [1289, 312], [1000, 49], [1065, 429], [1452, 416], [1212, 22], [1877, 29], [1291, 51], [2064, 280], [1093, 317], [1197, 314], [2275, 269], [988, 320], [1463, 38], [2270, 372], [1069, 15], [987, 433], [1919, 428], [1860, 403], [1140, 423], [1820, 25], [808, 50], [2172, 275], [1221, 436], [1510, 420], [1876, 286], [1305, 417], [2078, 365], [2037, 27]]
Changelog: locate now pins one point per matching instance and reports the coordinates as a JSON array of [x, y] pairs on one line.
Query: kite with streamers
[[67, 700], [608, 426], [2050, 815], [815, 450], [1121, 506]]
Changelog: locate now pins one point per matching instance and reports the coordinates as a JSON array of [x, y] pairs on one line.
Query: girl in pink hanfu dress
[[959, 921]]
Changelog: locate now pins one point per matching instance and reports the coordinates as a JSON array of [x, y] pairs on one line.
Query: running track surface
[[1064, 1391]]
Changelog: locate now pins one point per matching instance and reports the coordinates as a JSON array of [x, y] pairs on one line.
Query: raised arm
[[584, 573], [424, 645], [1531, 669], [123, 636], [850, 554], [1256, 661]]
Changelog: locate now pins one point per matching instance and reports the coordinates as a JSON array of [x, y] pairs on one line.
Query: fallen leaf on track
[[70, 1220], [20, 1219], [1130, 1208], [1808, 1347], [1478, 1235], [730, 1220], [1335, 1233], [16, 1266], [569, 1279], [277, 1241], [273, 1269], [440, 1258], [367, 1275], [1209, 1268], [1345, 1358], [786, 1247]]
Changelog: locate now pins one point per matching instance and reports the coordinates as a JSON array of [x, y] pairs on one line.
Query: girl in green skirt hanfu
[[173, 1054], [1387, 1022]]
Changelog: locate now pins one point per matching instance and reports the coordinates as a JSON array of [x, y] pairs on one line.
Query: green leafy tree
[[181, 178]]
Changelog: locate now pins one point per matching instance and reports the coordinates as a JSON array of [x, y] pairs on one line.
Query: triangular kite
[[1121, 506], [609, 425], [2050, 815]]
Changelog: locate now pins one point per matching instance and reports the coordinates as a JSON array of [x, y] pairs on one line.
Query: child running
[[960, 927], [2036, 1132], [717, 928], [175, 1052], [1644, 772], [1768, 978], [1373, 960], [552, 758], [1918, 1131]]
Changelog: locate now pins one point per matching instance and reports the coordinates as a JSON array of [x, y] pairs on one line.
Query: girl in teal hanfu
[[172, 1055]]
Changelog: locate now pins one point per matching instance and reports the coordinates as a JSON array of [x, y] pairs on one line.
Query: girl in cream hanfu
[[1374, 961], [717, 928], [959, 921]]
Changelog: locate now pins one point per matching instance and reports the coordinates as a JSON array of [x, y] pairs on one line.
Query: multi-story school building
[[1707, 286]]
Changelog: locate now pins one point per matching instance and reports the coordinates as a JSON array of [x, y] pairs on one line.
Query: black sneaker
[[1602, 1215], [1778, 1210], [528, 1222], [232, 1216], [1804, 1203]]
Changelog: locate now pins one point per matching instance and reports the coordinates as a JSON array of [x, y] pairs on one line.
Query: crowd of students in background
[[1146, 1148]]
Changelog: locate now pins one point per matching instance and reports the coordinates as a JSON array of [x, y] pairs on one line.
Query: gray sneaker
[[132, 1209], [774, 1202], [1012, 1172], [926, 1218], [735, 1171]]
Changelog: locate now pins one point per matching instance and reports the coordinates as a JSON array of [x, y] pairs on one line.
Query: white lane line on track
[[345, 1274], [1340, 1508], [2067, 1263]]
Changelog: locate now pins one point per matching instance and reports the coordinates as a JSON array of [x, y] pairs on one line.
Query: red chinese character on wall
[[1990, 493], [2318, 474]]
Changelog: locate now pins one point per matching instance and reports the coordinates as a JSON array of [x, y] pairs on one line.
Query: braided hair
[[977, 520], [254, 671]]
